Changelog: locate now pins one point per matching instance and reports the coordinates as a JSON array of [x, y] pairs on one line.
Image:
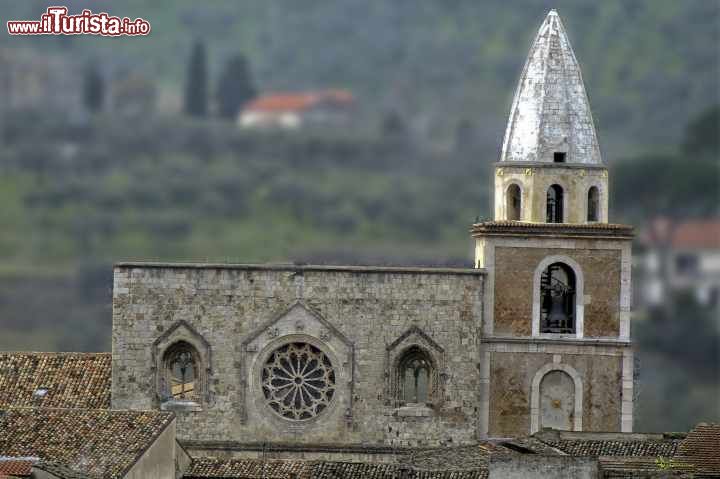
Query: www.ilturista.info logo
[[56, 21]]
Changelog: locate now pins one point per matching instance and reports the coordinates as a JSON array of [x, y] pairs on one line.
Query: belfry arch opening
[[555, 204], [513, 202], [557, 299], [593, 204]]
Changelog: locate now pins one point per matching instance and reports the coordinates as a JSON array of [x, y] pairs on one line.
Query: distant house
[[295, 110], [680, 257]]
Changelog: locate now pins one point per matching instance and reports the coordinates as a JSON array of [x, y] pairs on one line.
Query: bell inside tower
[[557, 314]]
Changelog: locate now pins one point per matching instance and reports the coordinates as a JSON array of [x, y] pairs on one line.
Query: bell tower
[[555, 342]]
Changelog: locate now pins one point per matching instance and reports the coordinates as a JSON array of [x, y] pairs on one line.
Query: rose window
[[298, 381]]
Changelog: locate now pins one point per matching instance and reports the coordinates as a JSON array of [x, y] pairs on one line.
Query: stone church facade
[[351, 360]]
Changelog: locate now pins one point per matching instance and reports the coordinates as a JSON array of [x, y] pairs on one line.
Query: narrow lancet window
[[513, 202], [593, 204], [557, 296], [415, 373], [181, 372], [555, 204]]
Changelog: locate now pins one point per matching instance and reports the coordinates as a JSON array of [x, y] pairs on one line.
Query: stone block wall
[[534, 181], [514, 271], [513, 367], [350, 313]]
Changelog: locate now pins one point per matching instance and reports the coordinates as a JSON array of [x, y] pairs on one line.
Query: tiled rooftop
[[701, 450], [298, 101], [94, 442], [460, 458], [617, 448], [611, 444], [692, 235], [210, 467], [207, 467], [59, 380], [15, 467], [349, 470], [503, 227]]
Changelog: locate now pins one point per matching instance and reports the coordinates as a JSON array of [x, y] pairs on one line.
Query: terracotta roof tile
[[701, 450], [95, 442], [277, 102], [653, 448], [207, 467], [697, 235], [460, 458], [15, 467], [575, 229], [210, 467], [67, 380]]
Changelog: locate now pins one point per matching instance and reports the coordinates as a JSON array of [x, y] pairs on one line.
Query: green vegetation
[[196, 90], [235, 87], [649, 65]]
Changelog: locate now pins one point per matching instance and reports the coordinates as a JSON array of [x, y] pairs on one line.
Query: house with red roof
[[680, 256], [293, 110]]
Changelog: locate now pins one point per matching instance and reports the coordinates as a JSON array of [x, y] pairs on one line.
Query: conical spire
[[550, 112]]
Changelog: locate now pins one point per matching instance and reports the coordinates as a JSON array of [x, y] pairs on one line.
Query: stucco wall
[[514, 274], [243, 311], [159, 460]]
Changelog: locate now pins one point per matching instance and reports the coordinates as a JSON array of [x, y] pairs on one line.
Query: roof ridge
[[85, 409]]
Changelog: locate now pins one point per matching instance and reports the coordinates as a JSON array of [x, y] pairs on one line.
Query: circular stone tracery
[[298, 381]]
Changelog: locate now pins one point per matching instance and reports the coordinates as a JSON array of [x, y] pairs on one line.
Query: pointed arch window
[[416, 375], [513, 202], [593, 204], [557, 296], [181, 372], [555, 204]]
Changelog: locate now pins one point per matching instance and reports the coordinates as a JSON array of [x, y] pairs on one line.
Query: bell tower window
[[593, 204], [559, 157], [513, 204], [557, 297], [555, 204]]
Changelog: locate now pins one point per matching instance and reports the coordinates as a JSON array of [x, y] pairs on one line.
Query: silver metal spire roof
[[550, 112]]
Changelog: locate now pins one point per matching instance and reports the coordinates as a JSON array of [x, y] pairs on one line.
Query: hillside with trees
[[139, 156]]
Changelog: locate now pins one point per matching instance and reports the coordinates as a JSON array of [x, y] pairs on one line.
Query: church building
[[354, 362]]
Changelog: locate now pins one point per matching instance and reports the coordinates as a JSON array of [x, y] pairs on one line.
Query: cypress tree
[[235, 87], [93, 88], [196, 82]]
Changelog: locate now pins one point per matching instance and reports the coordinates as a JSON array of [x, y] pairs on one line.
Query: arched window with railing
[[555, 204]]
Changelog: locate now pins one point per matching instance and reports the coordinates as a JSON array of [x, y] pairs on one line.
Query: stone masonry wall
[[349, 312], [514, 271], [534, 181], [512, 373]]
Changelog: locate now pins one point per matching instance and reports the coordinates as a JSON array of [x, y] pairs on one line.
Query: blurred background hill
[[149, 148]]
